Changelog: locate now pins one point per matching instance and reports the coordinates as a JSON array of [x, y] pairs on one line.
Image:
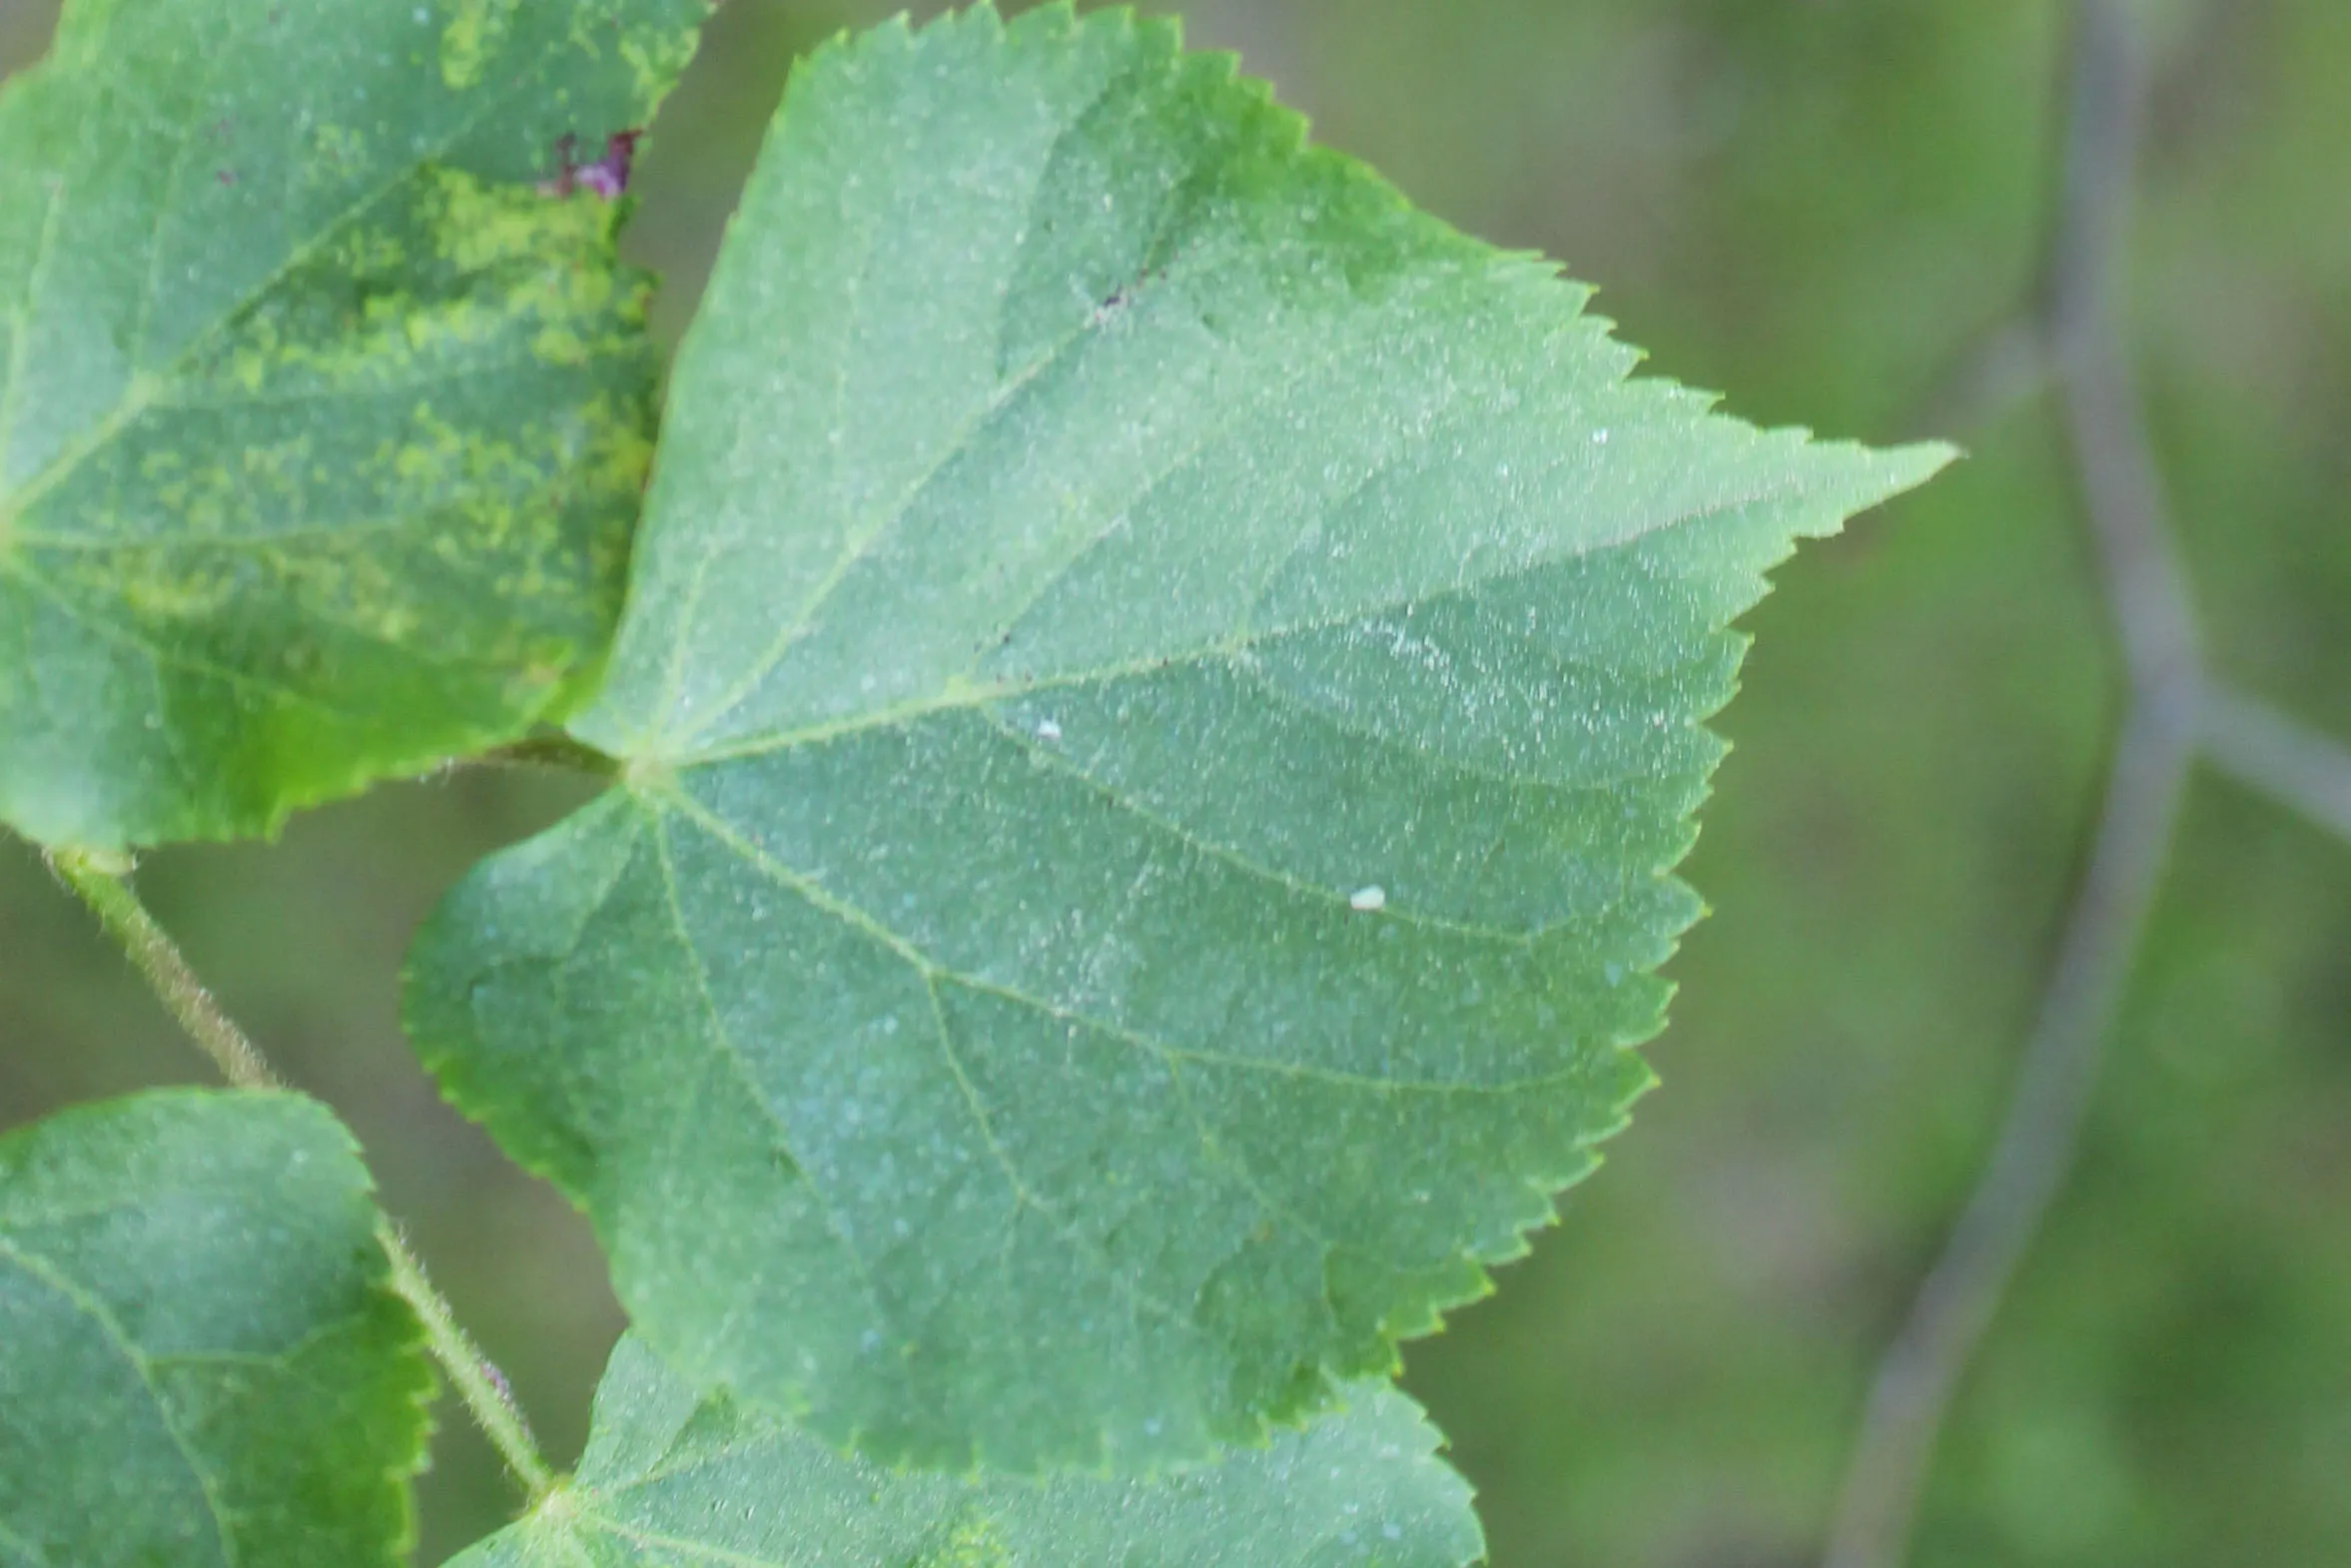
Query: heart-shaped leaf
[[1161, 692]]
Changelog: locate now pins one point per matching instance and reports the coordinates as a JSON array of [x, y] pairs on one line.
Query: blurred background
[[1834, 209]]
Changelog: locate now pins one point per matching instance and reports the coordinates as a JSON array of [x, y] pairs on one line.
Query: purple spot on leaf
[[605, 176]]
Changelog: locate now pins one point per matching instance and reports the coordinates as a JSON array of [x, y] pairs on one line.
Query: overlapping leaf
[[201, 1361], [1160, 693], [322, 428], [669, 1479]]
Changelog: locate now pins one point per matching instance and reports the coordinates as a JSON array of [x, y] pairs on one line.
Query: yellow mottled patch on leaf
[[656, 62], [619, 448], [972, 1543], [472, 35], [455, 276], [338, 147], [554, 258], [478, 226]]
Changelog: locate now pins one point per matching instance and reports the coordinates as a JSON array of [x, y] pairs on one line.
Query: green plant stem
[[100, 885], [99, 882], [477, 1382]]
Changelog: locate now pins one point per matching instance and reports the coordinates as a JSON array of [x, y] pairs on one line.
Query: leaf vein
[[700, 1551], [850, 914], [741, 1067], [159, 656], [927, 972], [1225, 854], [862, 543], [42, 1271]]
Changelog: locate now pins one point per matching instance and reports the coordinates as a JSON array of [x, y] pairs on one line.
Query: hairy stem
[[158, 957], [101, 883], [478, 1382]]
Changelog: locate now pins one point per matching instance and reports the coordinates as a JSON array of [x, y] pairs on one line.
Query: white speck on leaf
[[1049, 730], [1368, 901]]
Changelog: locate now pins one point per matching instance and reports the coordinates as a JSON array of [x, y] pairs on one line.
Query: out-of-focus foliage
[[1828, 206]]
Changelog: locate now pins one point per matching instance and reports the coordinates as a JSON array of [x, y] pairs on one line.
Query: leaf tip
[[1916, 463]]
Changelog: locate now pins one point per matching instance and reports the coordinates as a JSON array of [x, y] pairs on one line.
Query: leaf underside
[[322, 428], [669, 1479], [1159, 695], [202, 1362]]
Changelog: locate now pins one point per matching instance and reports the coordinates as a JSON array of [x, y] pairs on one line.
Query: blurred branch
[[2147, 598], [2029, 1164], [2280, 756], [2122, 490]]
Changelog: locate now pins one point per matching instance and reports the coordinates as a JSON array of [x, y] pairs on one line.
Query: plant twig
[[2147, 598], [2280, 756], [100, 883]]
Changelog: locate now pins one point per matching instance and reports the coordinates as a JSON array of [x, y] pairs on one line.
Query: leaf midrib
[[965, 693]]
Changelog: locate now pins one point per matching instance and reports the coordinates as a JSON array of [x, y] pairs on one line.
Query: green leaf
[[671, 1479], [202, 1361], [1160, 694], [322, 430]]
